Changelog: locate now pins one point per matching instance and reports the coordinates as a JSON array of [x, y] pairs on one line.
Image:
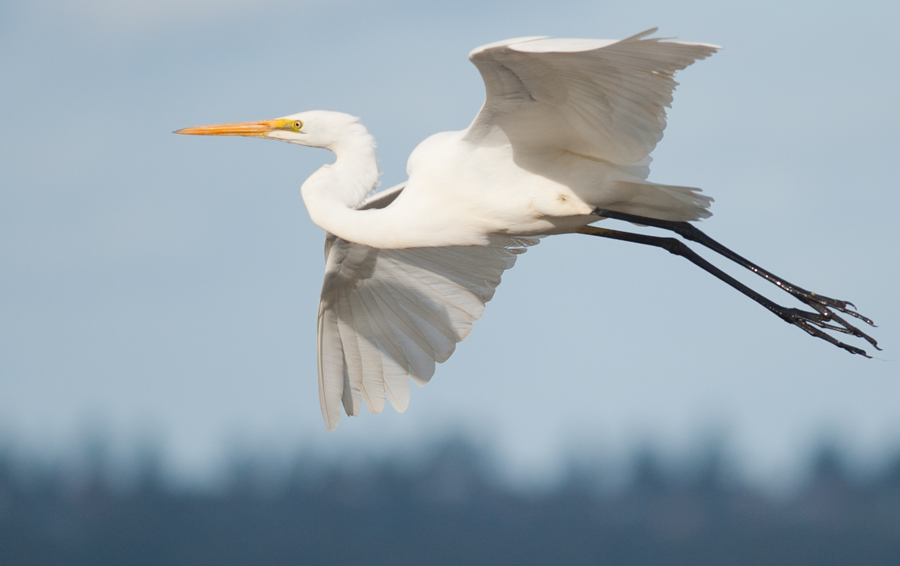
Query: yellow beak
[[252, 129]]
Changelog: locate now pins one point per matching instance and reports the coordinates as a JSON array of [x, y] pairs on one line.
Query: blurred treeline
[[446, 506]]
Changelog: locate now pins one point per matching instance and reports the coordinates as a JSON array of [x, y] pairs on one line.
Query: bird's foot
[[820, 302], [813, 323], [826, 307]]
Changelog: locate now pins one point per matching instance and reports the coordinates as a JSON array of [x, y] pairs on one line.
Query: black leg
[[809, 322], [820, 303]]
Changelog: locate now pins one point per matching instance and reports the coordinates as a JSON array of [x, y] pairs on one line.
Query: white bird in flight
[[563, 140]]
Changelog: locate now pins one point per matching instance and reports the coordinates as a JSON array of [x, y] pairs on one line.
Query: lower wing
[[388, 315]]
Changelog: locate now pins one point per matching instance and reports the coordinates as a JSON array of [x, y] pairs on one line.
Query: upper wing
[[388, 315], [597, 98]]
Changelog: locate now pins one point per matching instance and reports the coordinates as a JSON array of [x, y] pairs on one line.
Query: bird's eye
[[297, 125]]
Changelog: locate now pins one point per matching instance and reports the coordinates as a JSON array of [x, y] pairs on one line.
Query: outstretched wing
[[600, 99], [388, 315]]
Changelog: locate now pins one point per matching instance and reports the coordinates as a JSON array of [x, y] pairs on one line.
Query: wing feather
[[372, 368], [331, 364], [598, 98], [387, 316], [353, 387], [394, 368]]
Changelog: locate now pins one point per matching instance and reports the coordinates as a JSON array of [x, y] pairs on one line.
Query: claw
[[813, 331], [850, 329], [856, 315], [810, 321], [845, 327], [812, 299]]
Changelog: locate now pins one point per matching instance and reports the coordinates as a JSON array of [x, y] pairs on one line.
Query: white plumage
[[567, 126], [572, 122], [564, 137]]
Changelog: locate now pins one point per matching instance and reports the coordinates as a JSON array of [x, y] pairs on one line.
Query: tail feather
[[665, 202]]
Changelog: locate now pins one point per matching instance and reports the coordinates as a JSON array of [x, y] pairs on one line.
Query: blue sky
[[152, 282]]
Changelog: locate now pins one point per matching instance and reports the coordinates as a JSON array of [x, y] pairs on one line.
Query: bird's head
[[316, 128]]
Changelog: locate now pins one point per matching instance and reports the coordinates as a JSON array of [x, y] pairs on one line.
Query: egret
[[562, 141]]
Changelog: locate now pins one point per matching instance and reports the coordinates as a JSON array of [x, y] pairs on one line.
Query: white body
[[567, 126]]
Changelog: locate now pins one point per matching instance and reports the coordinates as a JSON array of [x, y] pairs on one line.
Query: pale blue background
[[166, 286]]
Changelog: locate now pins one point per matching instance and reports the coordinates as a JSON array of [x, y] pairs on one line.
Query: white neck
[[332, 193], [351, 177]]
